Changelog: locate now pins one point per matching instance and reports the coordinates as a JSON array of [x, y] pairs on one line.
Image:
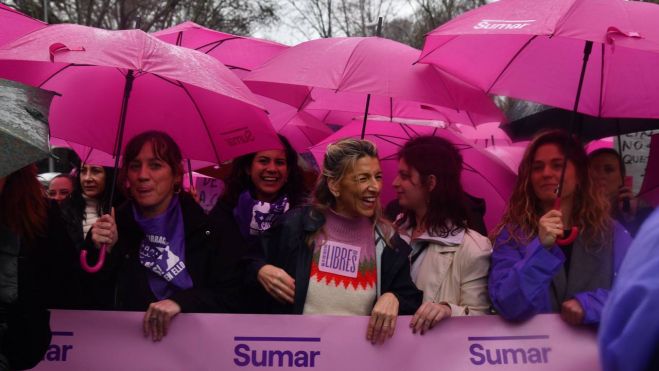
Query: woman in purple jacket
[[530, 273]]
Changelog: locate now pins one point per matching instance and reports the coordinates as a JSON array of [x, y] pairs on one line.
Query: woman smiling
[[338, 255]]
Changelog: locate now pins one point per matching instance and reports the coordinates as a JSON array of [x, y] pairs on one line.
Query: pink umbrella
[[241, 55], [116, 82], [97, 70], [90, 155], [521, 45], [484, 175], [389, 107], [367, 65], [650, 188], [301, 128], [236, 52], [533, 50], [14, 24]]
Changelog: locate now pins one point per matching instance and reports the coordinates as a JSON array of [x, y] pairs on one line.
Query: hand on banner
[[277, 283], [428, 315], [104, 231], [158, 318], [550, 227], [383, 319], [572, 312]]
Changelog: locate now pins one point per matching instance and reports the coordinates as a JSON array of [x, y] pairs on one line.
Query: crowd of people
[[272, 245]]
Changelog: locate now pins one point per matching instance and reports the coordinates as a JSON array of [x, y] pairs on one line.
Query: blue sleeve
[[629, 330], [520, 277], [621, 242], [592, 303]]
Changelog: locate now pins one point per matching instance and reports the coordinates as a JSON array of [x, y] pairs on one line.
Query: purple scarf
[[162, 250], [255, 217]]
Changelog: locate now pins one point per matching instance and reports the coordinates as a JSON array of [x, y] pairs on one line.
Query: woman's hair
[[590, 210], [164, 149], [340, 158], [239, 179], [66, 176], [612, 152], [447, 210], [23, 205]]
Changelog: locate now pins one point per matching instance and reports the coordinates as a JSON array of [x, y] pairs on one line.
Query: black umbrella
[[586, 127], [23, 125]]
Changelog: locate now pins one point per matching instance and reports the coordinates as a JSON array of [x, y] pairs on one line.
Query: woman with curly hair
[[530, 272]]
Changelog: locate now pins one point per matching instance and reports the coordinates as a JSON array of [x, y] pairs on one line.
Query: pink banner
[[113, 341]]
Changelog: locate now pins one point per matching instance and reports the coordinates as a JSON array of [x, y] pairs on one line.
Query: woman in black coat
[[339, 256], [164, 257]]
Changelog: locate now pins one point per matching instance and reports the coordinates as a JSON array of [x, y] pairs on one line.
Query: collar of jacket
[[312, 219]]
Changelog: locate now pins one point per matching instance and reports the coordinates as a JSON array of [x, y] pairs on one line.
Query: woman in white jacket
[[450, 262]]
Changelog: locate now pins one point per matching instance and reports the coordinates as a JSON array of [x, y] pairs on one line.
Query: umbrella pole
[[368, 103], [586, 54], [120, 136], [368, 97], [574, 232], [117, 151], [626, 206], [190, 173]]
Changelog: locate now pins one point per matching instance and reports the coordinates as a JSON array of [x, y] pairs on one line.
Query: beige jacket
[[453, 270]]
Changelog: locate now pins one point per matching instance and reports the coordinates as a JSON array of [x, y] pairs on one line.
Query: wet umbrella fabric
[[23, 125]]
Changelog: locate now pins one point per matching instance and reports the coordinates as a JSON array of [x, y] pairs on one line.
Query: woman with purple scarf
[[261, 187], [164, 255]]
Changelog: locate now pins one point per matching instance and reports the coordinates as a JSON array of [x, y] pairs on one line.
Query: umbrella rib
[[404, 129], [435, 49], [217, 44], [387, 140], [58, 71], [599, 110], [441, 79], [203, 120], [173, 82], [345, 67], [511, 62]]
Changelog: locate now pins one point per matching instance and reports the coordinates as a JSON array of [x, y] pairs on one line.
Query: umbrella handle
[[99, 264], [574, 232]]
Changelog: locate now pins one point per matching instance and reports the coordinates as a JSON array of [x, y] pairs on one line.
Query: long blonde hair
[[590, 210], [340, 158]]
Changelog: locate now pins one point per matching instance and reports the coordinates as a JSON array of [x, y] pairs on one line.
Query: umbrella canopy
[[238, 53], [14, 24], [365, 65], [483, 174], [534, 49], [90, 155], [23, 125], [586, 127], [108, 78]]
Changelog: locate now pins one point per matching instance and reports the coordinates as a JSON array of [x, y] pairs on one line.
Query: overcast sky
[[284, 33]]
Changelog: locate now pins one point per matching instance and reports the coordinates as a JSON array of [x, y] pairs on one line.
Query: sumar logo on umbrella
[[499, 24]]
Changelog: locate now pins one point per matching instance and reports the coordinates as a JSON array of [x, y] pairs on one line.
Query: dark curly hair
[[447, 207]]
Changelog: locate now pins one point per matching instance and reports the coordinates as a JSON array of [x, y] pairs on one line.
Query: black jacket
[[34, 275], [250, 299], [284, 246], [211, 263]]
